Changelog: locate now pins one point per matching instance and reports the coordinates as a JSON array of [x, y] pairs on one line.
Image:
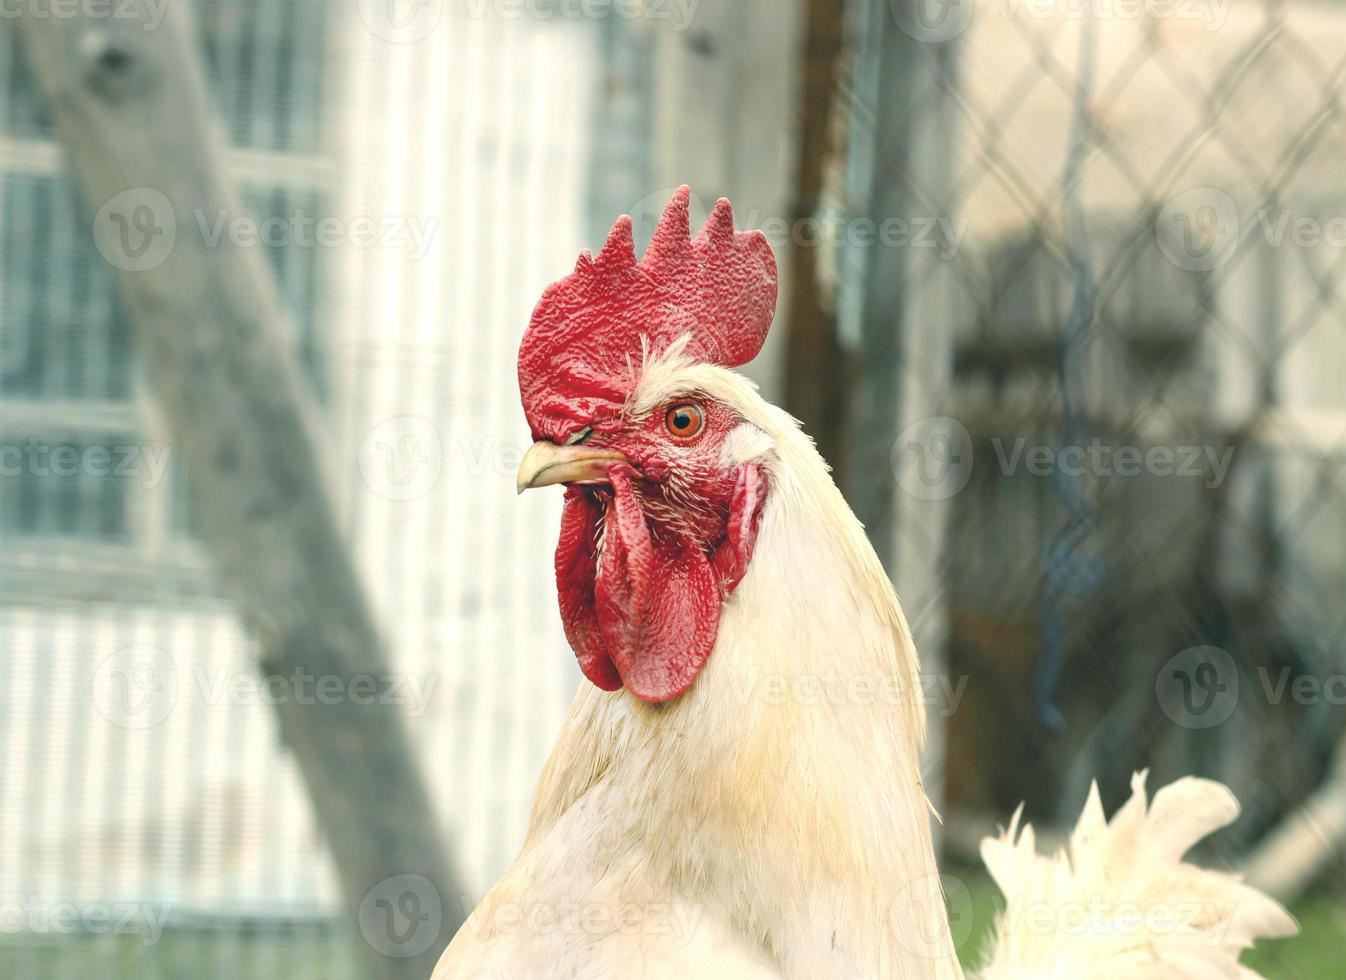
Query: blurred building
[[415, 181], [463, 160]]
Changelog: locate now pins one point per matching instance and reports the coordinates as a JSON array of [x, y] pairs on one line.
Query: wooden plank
[[904, 308], [132, 112], [724, 123], [817, 365]]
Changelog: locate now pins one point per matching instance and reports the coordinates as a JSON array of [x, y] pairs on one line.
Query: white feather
[[1120, 904]]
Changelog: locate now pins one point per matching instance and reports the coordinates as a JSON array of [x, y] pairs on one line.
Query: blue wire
[[1066, 572]]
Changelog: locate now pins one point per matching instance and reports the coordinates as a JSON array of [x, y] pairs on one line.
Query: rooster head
[[662, 506]]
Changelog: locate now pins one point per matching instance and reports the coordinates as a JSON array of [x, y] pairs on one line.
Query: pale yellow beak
[[547, 463]]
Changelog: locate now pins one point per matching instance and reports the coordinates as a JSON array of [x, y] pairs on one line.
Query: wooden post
[[817, 368], [723, 123], [1297, 850], [902, 309], [131, 108]]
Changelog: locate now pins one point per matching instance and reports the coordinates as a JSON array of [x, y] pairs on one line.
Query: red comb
[[577, 356]]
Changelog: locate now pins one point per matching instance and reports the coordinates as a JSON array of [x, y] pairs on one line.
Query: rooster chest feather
[[760, 824]]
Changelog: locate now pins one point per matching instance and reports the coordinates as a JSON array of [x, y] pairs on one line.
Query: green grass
[[1319, 953]]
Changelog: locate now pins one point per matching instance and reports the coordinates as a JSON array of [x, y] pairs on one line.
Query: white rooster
[[737, 794]]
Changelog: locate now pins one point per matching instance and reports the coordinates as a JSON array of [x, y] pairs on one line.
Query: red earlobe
[[745, 518]]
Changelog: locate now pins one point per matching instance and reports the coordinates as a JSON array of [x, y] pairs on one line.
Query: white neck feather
[[783, 790]]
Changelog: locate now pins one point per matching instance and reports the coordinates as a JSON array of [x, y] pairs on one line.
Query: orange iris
[[684, 420]]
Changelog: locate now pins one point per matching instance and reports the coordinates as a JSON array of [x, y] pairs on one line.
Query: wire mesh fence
[[1133, 277]]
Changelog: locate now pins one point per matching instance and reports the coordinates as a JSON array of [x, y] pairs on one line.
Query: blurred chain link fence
[[1140, 514]]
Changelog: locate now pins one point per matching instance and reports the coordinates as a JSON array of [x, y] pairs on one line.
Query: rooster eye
[[684, 420]]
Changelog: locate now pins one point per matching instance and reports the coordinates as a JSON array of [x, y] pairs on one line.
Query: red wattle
[[576, 570], [645, 614], [658, 601]]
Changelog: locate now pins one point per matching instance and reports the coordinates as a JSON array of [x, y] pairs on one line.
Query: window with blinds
[[68, 376]]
